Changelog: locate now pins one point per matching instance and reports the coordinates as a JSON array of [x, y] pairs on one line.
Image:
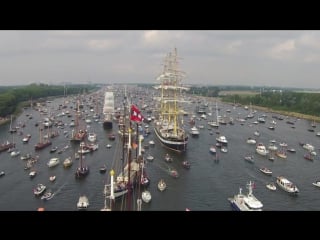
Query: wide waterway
[[206, 186]]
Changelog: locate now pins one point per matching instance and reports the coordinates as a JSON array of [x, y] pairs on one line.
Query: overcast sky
[[252, 58]]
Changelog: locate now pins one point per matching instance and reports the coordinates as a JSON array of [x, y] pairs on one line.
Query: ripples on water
[[206, 186]]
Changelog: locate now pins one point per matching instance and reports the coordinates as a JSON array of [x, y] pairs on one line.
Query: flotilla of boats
[[169, 130]]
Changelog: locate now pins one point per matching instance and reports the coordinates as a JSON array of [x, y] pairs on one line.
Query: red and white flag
[[136, 114]]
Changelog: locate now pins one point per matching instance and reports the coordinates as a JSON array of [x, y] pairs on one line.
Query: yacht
[[222, 139], [146, 196], [261, 149], [83, 202], [287, 185], [249, 202], [53, 162], [39, 189], [194, 131]]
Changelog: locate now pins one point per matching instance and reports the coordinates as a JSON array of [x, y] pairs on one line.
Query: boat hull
[[107, 124], [179, 145]]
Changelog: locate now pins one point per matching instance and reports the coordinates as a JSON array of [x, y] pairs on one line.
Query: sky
[[210, 57]]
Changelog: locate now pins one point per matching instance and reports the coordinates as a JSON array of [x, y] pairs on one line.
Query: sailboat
[[12, 129], [78, 134], [82, 170], [42, 144], [168, 126]]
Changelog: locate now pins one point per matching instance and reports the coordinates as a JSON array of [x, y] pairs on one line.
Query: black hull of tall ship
[[173, 144], [107, 124]]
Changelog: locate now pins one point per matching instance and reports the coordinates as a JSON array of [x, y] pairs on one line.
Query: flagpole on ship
[[129, 167], [140, 160], [135, 115]]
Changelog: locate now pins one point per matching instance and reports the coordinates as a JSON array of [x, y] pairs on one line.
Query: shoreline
[[284, 113], [289, 114], [4, 121]]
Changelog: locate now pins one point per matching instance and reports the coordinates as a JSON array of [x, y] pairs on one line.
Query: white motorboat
[[15, 153], [39, 189], [52, 178], [194, 131], [150, 158], [251, 141], [47, 196], [67, 162], [249, 202], [317, 184], [53, 162], [261, 149], [92, 137], [266, 171], [32, 173], [168, 158], [271, 186], [162, 185], [249, 158], [213, 150], [146, 196], [287, 185], [83, 202], [222, 139]]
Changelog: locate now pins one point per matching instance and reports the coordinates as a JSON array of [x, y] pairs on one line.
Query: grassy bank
[[284, 113]]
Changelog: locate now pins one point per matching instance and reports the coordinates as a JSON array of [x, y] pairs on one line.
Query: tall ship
[[79, 133], [43, 143], [168, 125], [108, 110]]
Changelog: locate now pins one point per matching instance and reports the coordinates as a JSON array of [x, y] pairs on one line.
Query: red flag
[[134, 145], [135, 114]]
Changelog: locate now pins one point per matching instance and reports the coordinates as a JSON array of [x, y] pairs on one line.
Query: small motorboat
[[47, 196], [186, 164], [317, 184], [249, 158], [266, 171], [103, 169], [52, 150], [173, 173], [224, 149], [150, 158], [83, 202], [52, 178], [167, 158], [292, 150], [146, 196], [39, 189], [2, 173], [271, 186], [162, 185], [32, 173]]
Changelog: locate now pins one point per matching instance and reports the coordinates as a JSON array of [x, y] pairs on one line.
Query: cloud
[[103, 44], [234, 46], [284, 50]]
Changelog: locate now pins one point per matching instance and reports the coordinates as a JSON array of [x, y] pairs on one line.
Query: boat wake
[[59, 189]]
